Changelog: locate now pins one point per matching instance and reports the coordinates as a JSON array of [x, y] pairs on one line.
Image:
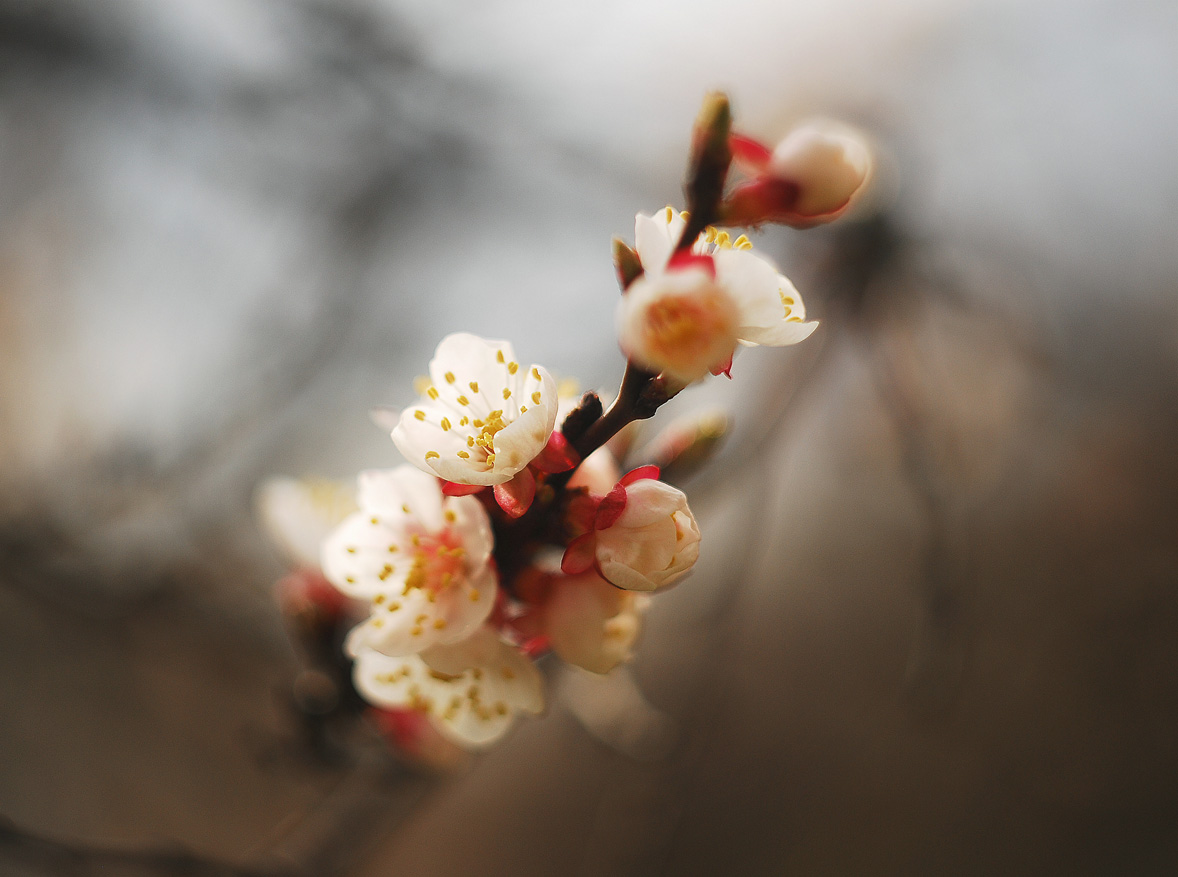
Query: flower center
[[437, 561]]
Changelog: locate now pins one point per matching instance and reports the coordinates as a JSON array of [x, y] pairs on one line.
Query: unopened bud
[[626, 263], [829, 163]]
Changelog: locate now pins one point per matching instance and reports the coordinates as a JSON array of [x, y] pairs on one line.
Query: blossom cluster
[[512, 531]]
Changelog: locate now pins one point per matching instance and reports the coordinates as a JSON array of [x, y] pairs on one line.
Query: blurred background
[[934, 628]]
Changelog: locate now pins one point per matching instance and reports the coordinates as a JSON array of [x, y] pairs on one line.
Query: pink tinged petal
[[749, 155], [640, 474], [558, 456], [829, 162], [610, 508], [515, 496], [579, 556]]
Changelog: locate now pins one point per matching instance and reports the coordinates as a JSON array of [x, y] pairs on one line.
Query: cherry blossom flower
[[469, 689], [642, 536], [590, 623], [483, 418], [685, 315], [809, 178], [421, 559]]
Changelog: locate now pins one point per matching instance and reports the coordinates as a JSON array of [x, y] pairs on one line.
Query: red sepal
[[453, 488], [611, 508], [639, 474], [536, 646], [750, 155], [580, 513], [558, 455], [724, 368], [580, 556], [515, 496], [681, 259]]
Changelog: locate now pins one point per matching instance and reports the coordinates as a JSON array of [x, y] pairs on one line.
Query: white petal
[[655, 238], [591, 623], [366, 555], [465, 607], [299, 514], [470, 690], [402, 491], [401, 624]]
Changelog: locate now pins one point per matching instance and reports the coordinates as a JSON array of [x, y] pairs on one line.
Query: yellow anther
[[474, 595], [462, 400], [405, 508], [419, 414], [351, 580], [446, 424], [499, 356], [478, 424], [450, 377], [470, 441], [709, 234], [465, 421], [432, 455], [506, 393], [440, 624], [523, 408], [512, 367], [374, 520], [490, 461], [536, 373], [722, 240], [416, 631], [742, 243], [392, 549], [474, 386], [464, 455], [536, 398], [450, 516], [378, 599], [394, 606], [351, 549], [432, 392], [670, 213]]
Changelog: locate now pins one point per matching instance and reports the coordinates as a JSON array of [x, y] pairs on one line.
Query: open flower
[[641, 536], [470, 689], [685, 315], [809, 178], [484, 417], [591, 623], [422, 560]]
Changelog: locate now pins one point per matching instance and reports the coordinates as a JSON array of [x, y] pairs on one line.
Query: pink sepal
[[750, 155], [558, 455], [580, 555], [581, 512], [681, 259], [453, 488], [639, 474], [611, 508], [724, 368], [515, 496]]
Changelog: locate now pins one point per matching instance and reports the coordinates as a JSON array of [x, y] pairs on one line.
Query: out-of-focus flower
[[591, 623], [809, 178], [470, 689], [297, 515], [483, 418], [642, 535], [423, 561], [686, 313]]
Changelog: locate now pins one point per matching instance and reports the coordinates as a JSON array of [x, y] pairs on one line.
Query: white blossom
[[591, 623], [483, 418], [470, 689], [686, 320], [653, 542], [422, 560]]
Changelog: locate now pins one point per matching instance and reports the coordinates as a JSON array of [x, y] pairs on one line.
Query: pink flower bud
[[652, 542], [809, 178]]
